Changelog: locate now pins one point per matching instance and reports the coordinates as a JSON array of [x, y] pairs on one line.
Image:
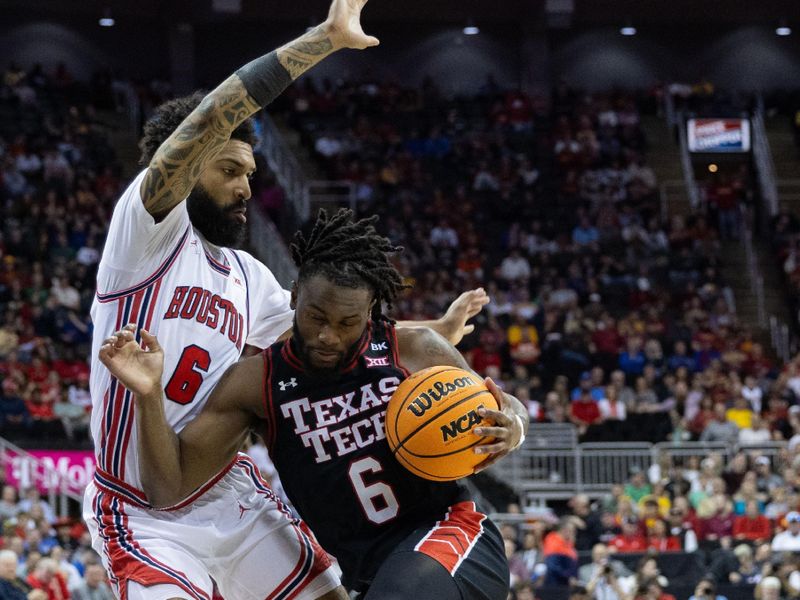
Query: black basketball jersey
[[327, 440]]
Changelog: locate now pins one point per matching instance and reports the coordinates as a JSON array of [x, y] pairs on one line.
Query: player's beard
[[215, 223], [320, 372]]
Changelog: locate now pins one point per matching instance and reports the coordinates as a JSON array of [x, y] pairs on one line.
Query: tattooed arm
[[178, 162], [420, 348]]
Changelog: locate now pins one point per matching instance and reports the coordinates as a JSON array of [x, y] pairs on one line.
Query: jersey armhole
[[266, 396], [391, 333], [165, 266]]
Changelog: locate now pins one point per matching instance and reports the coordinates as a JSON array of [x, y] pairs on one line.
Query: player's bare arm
[[179, 161], [421, 348], [173, 466]]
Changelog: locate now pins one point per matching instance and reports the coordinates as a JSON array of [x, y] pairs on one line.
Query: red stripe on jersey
[[116, 433], [453, 538], [288, 355], [363, 346], [157, 274], [270, 419], [149, 319], [322, 560], [126, 436], [391, 333], [103, 429], [279, 589], [129, 562]]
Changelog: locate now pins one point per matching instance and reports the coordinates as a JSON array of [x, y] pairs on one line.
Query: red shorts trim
[[128, 561], [451, 540]]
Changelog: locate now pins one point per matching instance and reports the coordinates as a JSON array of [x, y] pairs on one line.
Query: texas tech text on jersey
[[315, 422]]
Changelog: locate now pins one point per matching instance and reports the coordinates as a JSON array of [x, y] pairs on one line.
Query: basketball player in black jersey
[[319, 400]]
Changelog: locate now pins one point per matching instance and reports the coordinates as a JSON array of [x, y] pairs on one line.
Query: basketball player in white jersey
[[168, 266]]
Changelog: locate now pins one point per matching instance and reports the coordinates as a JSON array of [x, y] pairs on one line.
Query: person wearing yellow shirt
[[741, 414]]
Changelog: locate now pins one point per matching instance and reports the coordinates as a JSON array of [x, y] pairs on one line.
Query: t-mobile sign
[[68, 470]]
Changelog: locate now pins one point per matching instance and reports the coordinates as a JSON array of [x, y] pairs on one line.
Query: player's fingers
[[150, 341], [106, 352], [500, 419], [370, 41], [468, 329], [496, 392], [123, 337], [491, 448], [495, 432]]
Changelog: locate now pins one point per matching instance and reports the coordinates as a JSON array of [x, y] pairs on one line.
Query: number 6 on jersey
[[377, 499], [187, 377]]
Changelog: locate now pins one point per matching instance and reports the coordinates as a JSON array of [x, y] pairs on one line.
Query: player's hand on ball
[[138, 369], [463, 308], [343, 25], [507, 429]]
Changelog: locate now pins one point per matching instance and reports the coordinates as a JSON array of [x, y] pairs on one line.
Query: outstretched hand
[[344, 25], [138, 369], [463, 308], [506, 431]]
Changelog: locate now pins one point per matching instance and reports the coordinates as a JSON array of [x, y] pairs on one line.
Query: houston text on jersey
[[208, 308]]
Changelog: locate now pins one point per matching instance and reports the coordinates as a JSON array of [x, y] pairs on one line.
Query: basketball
[[429, 422]]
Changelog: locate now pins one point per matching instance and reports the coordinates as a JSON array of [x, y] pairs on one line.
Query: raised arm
[[173, 466], [178, 162], [421, 347]]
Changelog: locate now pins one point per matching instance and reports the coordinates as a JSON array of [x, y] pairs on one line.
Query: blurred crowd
[[43, 557], [606, 313], [601, 308], [694, 522], [59, 180]]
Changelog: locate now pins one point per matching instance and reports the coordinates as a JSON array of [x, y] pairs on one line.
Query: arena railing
[[323, 192], [762, 157], [287, 170], [545, 473], [687, 168], [780, 338], [753, 269], [31, 471], [269, 247]]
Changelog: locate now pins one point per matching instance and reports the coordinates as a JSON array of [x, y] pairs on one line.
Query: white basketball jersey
[[203, 302]]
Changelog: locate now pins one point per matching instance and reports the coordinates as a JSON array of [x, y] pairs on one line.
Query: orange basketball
[[429, 422]]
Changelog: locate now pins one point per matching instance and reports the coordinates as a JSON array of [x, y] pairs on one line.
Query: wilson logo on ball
[[462, 424], [423, 402]]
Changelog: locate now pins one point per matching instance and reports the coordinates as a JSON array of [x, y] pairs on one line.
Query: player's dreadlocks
[[349, 253]]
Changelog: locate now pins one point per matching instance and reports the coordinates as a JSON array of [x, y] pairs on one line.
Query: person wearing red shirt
[[660, 540], [46, 577], [38, 370], [631, 538], [584, 411], [752, 526]]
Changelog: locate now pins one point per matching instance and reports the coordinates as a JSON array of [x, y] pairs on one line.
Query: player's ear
[[293, 299]]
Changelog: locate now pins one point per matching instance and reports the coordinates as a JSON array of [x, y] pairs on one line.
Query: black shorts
[[460, 556]]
